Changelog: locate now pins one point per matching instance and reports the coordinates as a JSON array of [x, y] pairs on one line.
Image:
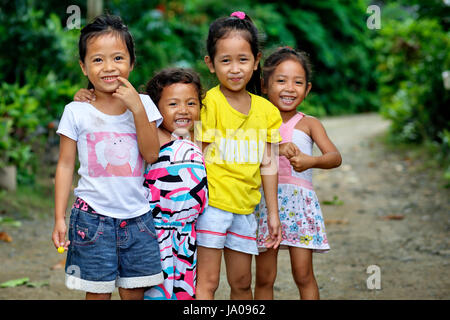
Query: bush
[[412, 56], [17, 123], [38, 78]]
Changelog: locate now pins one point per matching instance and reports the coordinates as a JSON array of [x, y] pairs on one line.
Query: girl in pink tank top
[[286, 82]]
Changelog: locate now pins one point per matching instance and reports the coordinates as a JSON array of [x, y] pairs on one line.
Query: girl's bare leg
[[98, 296], [132, 294], [208, 272], [266, 273], [303, 273], [239, 274]]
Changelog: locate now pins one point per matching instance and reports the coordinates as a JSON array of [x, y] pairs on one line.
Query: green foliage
[[39, 43], [413, 52], [18, 120], [412, 56], [38, 78], [338, 41]]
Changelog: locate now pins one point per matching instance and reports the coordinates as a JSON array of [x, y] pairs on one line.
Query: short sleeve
[[274, 122], [208, 122], [67, 125], [151, 109]]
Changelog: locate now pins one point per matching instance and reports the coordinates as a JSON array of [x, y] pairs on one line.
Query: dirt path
[[412, 253]]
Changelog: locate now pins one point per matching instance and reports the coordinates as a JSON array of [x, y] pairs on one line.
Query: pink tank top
[[286, 173]]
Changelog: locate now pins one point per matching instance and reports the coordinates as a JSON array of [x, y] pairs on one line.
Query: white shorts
[[218, 229]]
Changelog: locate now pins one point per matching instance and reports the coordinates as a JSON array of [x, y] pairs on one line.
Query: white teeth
[[287, 100], [182, 120]]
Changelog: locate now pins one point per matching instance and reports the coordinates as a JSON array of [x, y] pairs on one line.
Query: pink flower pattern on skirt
[[302, 223]]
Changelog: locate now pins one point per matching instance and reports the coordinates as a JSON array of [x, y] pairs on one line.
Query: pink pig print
[[117, 155]]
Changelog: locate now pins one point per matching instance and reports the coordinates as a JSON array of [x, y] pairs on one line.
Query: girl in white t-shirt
[[112, 239]]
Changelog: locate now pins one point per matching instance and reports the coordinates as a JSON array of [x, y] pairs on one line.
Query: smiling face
[[179, 106], [233, 62], [107, 57], [287, 86]]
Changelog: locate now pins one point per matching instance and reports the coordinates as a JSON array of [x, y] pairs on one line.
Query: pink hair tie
[[238, 14]]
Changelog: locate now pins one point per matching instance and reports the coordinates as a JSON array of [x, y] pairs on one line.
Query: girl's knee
[[208, 282], [241, 282], [303, 277], [266, 278]]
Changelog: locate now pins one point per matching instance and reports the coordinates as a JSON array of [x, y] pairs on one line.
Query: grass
[[426, 157], [29, 201]]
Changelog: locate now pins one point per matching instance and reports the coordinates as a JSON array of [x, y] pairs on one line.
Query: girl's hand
[[302, 162], [84, 95], [274, 226], [288, 150], [128, 95], [59, 235]]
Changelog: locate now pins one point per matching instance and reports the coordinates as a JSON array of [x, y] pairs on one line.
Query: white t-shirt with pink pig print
[[111, 167]]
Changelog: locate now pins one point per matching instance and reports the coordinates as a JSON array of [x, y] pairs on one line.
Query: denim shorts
[[106, 252], [217, 228]]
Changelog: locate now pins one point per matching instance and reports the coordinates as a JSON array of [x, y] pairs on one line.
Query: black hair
[[221, 27], [101, 25], [169, 76], [282, 54]]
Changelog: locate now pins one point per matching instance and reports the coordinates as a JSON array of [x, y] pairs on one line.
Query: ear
[[308, 89], [132, 67], [258, 58], [210, 64], [83, 68]]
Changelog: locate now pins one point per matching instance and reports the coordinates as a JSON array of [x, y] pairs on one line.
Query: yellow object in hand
[[61, 249]]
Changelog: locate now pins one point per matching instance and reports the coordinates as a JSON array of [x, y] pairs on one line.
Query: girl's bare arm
[[63, 184], [330, 158]]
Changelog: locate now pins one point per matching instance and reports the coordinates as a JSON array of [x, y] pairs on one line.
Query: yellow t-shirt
[[237, 142]]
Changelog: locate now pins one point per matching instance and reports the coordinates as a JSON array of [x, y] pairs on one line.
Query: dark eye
[[97, 60], [118, 58], [280, 80]]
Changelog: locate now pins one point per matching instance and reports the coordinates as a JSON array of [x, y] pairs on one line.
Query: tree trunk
[[94, 8], [8, 178]]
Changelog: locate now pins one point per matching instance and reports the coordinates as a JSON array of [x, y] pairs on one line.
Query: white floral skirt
[[301, 219]]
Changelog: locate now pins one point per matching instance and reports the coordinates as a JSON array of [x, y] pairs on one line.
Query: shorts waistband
[[83, 206]]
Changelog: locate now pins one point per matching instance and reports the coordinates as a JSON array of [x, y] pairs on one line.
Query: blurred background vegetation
[[395, 70]]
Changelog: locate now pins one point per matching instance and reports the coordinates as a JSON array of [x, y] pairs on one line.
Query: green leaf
[[10, 222], [38, 284], [14, 283], [334, 202]]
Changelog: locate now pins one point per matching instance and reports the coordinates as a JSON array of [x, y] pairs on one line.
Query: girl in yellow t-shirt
[[239, 131]]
